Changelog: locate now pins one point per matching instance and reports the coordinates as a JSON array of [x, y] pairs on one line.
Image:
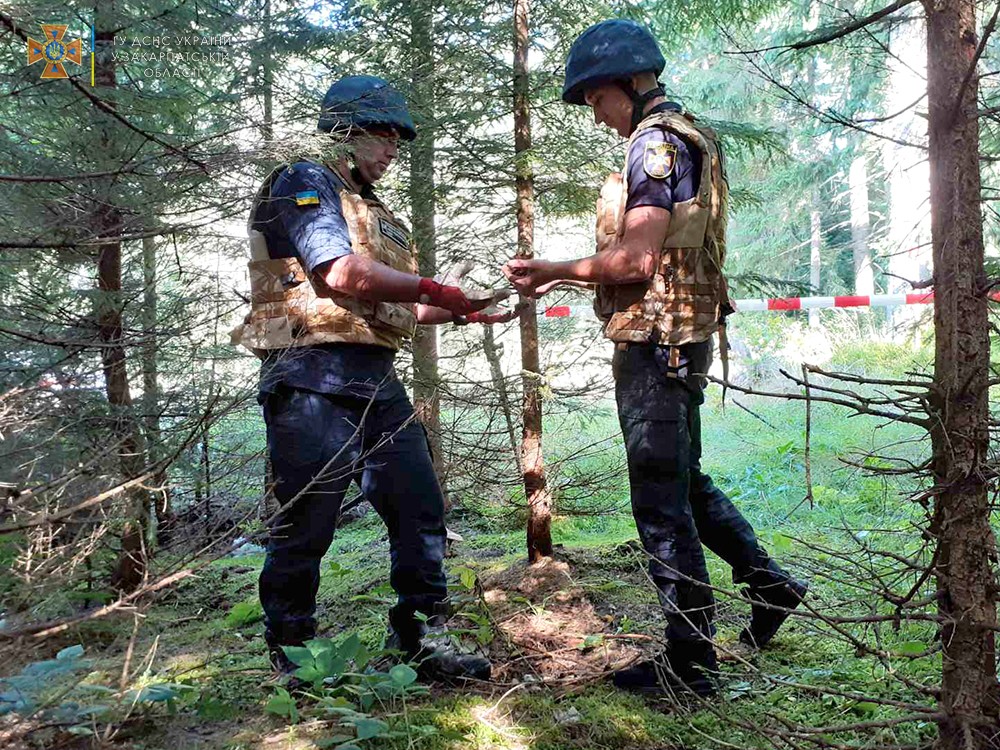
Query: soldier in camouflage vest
[[661, 295], [334, 294]]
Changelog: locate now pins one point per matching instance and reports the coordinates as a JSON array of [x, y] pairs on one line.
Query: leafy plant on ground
[[55, 690], [346, 683], [42, 684]]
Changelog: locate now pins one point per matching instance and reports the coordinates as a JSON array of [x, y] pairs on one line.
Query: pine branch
[[838, 32], [107, 108]]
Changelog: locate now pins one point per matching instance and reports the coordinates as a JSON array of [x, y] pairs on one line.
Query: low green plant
[[346, 683], [55, 690]]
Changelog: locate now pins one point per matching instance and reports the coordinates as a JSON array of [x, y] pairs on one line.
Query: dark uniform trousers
[[318, 444], [677, 507]]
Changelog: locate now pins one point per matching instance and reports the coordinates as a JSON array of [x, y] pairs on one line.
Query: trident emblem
[[54, 51]]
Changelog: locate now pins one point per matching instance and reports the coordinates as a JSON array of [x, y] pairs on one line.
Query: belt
[[674, 365]]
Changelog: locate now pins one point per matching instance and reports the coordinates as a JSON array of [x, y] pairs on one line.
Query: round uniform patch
[[658, 160]]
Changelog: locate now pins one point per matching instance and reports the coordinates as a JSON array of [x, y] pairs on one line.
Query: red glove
[[504, 316], [450, 298]]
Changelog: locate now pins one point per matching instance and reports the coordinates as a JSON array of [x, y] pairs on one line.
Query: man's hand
[[632, 259], [532, 278], [450, 298]]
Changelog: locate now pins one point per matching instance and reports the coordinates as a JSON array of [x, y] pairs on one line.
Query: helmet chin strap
[[639, 101]]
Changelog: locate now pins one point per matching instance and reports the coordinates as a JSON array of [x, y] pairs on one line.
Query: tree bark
[[131, 566], [864, 274], [205, 477], [960, 436], [492, 352], [423, 209], [267, 70], [268, 502], [539, 535], [151, 391]]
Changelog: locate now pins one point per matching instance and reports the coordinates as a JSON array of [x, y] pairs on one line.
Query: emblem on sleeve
[[658, 160]]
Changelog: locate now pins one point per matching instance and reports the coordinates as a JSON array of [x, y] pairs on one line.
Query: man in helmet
[[661, 295], [335, 293]]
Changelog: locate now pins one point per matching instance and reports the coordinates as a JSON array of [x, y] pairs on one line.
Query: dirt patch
[[549, 629], [250, 732]]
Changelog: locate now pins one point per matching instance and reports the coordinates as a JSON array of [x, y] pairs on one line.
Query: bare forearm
[[619, 265], [576, 283], [633, 258], [429, 315], [635, 255], [365, 279], [375, 282]]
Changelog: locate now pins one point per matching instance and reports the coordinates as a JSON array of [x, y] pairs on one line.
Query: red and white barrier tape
[[822, 303], [789, 303]]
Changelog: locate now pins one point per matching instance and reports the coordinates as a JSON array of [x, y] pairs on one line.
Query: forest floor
[[553, 630]]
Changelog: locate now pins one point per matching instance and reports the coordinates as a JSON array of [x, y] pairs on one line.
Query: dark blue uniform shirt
[[304, 218], [678, 186]]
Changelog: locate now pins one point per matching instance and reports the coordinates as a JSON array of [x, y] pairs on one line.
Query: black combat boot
[[283, 666], [434, 653], [284, 671], [682, 669], [765, 620]]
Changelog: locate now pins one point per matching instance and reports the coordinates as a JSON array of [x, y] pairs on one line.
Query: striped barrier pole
[[789, 303], [822, 303]]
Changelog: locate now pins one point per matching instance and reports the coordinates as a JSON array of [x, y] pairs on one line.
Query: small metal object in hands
[[455, 275], [495, 296]]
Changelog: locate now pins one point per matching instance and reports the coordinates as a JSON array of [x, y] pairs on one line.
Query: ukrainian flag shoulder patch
[[307, 198]]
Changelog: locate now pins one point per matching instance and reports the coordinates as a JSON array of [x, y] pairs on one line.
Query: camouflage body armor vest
[[686, 298], [289, 308]]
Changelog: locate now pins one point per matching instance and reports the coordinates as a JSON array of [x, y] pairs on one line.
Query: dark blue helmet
[[364, 102], [608, 51]]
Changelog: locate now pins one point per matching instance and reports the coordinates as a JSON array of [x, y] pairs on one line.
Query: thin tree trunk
[[198, 479], [960, 436], [532, 460], [815, 246], [205, 472], [423, 208], [267, 69], [131, 565], [492, 352], [151, 390], [268, 502], [864, 275]]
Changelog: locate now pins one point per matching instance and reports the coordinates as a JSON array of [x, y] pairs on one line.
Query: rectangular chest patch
[[307, 198], [392, 232]]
